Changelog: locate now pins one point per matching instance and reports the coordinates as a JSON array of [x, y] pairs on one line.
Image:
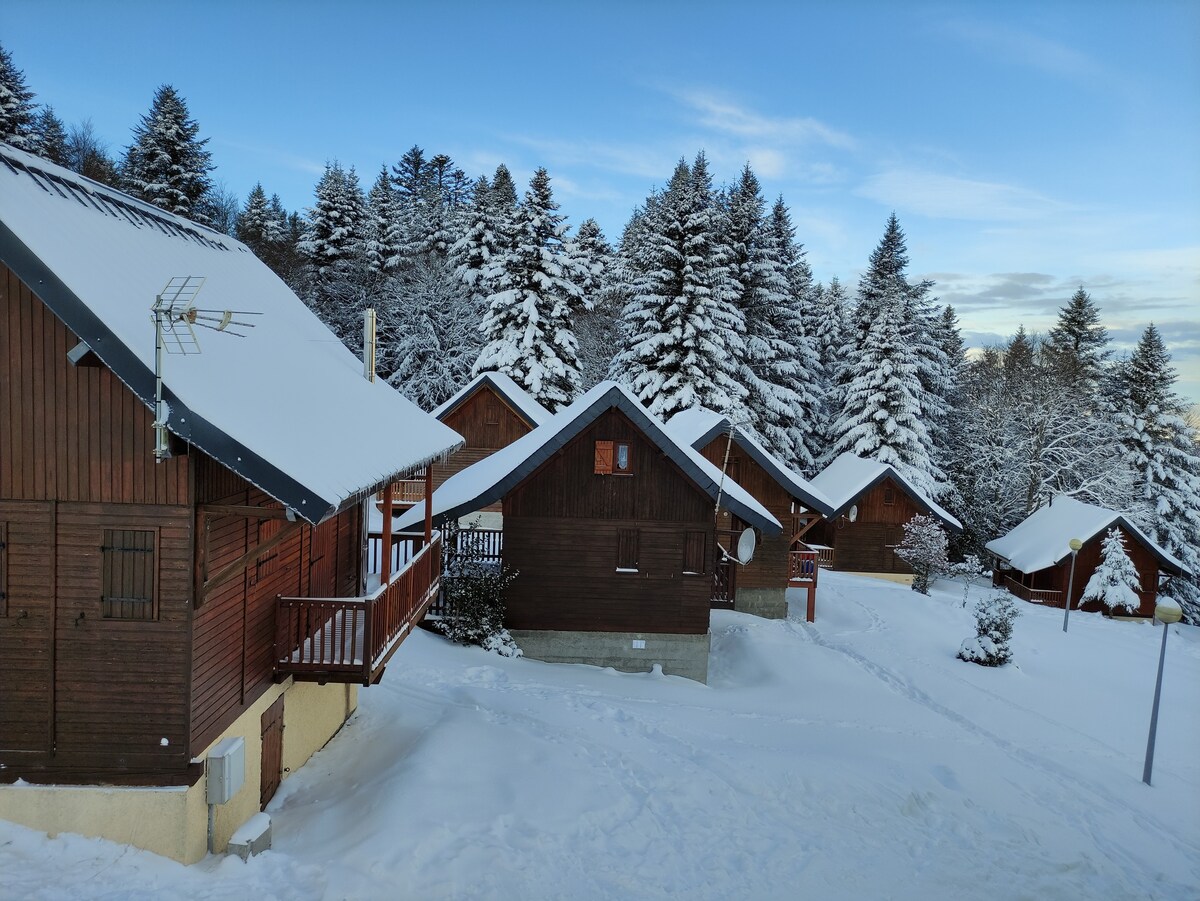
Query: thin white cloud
[[949, 197], [723, 115], [627, 159], [276, 156], [1027, 49]]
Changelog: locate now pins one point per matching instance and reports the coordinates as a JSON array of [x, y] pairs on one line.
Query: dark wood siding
[[27, 627], [562, 532], [1058, 578], [120, 687], [865, 545], [769, 569], [71, 433], [234, 632]]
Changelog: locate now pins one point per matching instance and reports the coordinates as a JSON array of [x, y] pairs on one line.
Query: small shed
[[871, 503], [781, 561], [1033, 561], [609, 522]]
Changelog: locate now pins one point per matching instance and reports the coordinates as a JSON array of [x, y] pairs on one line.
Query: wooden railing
[[484, 545], [1036, 595], [405, 493], [803, 565], [403, 549], [824, 555], [352, 639]]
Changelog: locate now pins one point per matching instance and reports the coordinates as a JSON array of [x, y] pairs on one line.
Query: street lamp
[[1074, 544], [1166, 612]]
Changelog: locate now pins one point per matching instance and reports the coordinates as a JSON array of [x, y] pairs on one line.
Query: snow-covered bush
[[924, 549], [994, 615], [969, 569], [474, 592], [1116, 581]]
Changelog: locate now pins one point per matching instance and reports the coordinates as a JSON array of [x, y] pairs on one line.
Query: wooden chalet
[[610, 524], [490, 412], [1033, 561], [871, 503], [780, 562], [162, 608]]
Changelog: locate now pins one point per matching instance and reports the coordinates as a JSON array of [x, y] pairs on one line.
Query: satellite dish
[[852, 515], [745, 546]]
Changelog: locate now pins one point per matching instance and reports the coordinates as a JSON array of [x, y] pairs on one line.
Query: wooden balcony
[[803, 566], [352, 639], [1033, 595]]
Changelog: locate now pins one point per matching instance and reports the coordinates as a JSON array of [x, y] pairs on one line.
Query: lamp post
[[1166, 613], [1074, 544]]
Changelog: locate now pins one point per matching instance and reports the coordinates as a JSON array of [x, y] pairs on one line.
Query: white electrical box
[[639, 644], [226, 769]]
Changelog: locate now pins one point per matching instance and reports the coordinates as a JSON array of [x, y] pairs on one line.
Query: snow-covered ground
[[853, 758]]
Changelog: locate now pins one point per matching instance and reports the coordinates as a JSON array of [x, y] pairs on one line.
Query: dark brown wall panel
[[71, 433], [486, 421]]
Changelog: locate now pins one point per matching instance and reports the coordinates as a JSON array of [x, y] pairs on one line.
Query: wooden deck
[[1033, 595], [352, 639]]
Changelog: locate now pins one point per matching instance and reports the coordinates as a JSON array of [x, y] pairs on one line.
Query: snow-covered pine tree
[[1160, 447], [18, 112], [527, 328], [429, 332], [779, 360], [1077, 346], [381, 245], [597, 329], [333, 244], [924, 549], [1115, 582], [167, 164], [831, 338], [504, 189], [994, 616], [479, 242], [882, 415], [256, 227], [683, 342], [50, 137]]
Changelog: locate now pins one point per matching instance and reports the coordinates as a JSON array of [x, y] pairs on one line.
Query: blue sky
[[1027, 148]]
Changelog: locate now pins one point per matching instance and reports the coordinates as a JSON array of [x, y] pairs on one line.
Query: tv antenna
[[176, 319]]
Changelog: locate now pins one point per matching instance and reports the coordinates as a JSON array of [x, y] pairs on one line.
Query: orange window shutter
[[604, 458]]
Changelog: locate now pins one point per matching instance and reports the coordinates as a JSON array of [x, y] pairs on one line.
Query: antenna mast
[[175, 318]]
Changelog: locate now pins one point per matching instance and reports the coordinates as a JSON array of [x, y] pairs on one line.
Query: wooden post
[[811, 613], [428, 503], [385, 567]]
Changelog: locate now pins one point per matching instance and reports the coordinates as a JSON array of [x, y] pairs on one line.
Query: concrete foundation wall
[[679, 655], [173, 821], [770, 603]]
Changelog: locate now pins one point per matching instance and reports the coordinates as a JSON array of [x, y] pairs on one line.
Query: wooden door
[[272, 753], [26, 626], [724, 570]]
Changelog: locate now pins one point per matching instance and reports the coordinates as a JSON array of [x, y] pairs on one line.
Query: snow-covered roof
[[493, 477], [1040, 541], [520, 400], [698, 426], [285, 407], [849, 476]]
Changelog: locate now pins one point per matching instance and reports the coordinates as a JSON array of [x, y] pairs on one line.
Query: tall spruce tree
[[381, 228], [528, 325], [1160, 447], [683, 335], [881, 413], [597, 329], [260, 227], [1077, 346], [50, 137], [18, 112], [167, 164], [333, 245]]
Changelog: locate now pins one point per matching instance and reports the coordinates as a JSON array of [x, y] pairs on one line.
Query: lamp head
[[1074, 544], [1167, 612]]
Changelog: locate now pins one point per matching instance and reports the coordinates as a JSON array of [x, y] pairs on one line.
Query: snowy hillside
[[853, 758]]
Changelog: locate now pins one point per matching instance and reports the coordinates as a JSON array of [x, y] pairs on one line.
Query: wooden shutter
[[693, 552], [627, 549], [129, 589], [604, 458]]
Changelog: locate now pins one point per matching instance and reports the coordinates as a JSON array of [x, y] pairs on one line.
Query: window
[[491, 412], [627, 550], [3, 569], [130, 589], [889, 496], [613, 458], [693, 553]]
